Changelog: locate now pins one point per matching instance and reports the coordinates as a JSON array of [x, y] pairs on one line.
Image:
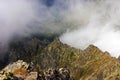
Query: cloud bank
[[97, 22], [25, 17], [83, 22]]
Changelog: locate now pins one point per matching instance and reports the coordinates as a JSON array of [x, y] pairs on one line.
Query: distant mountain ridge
[[88, 64]]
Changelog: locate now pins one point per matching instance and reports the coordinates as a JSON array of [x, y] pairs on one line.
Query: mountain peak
[[93, 49]]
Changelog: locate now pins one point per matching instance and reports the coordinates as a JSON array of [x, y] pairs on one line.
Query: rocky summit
[[53, 60]]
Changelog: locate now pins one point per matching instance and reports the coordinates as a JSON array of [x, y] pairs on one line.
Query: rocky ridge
[[88, 64]]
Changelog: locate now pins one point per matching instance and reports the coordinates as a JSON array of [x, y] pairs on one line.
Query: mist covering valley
[[80, 22]]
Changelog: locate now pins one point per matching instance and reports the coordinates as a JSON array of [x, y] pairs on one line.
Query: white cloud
[[98, 23]]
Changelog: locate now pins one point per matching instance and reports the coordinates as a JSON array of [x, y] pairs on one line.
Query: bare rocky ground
[[23, 71]]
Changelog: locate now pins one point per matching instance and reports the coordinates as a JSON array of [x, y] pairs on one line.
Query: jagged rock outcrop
[[21, 71], [88, 64]]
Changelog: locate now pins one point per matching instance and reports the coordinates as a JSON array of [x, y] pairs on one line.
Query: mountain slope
[[88, 64]]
